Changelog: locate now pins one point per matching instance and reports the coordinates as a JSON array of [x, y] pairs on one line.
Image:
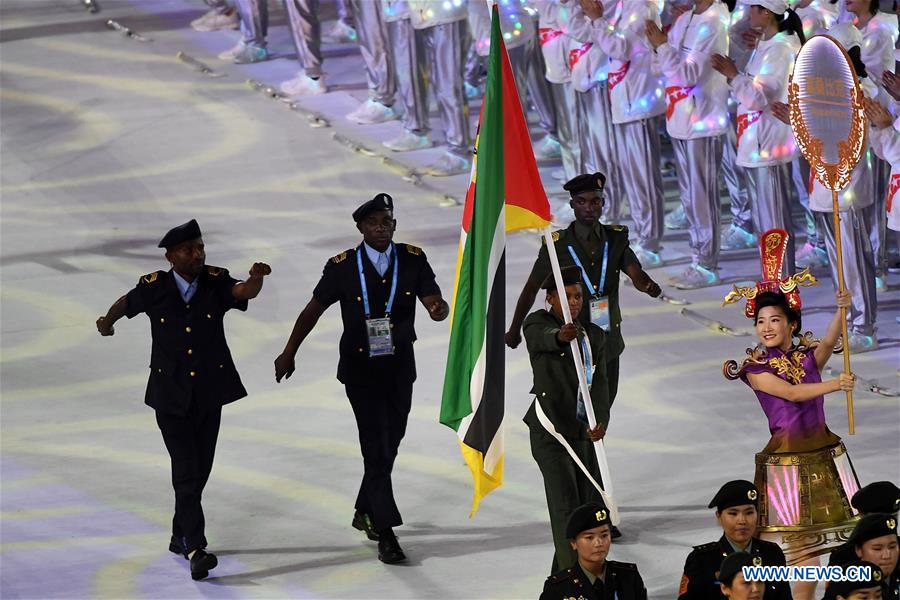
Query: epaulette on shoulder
[[617, 228], [707, 547], [151, 278], [339, 258], [623, 565], [554, 236], [413, 249], [216, 271], [561, 576]]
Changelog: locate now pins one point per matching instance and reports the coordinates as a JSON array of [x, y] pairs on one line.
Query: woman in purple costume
[[804, 475]]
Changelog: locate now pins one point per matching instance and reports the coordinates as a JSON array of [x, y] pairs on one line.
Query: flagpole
[[599, 449]]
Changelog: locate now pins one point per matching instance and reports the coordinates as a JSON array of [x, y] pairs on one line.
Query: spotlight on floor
[[91, 5]]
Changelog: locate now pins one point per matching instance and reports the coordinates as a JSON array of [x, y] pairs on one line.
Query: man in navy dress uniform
[[191, 371], [377, 284]]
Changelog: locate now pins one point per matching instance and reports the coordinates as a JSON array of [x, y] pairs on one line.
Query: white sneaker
[[229, 54], [811, 256], [558, 174], [547, 149], [408, 141], [735, 238], [303, 85], [648, 258], [676, 219], [859, 342], [215, 20], [340, 33], [371, 112], [449, 164], [695, 277], [881, 285], [473, 91]]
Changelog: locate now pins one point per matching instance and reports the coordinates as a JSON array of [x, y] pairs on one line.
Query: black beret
[[587, 516], [845, 588], [878, 497], [182, 233], [587, 182], [733, 564], [873, 526], [735, 493], [570, 276], [381, 201]]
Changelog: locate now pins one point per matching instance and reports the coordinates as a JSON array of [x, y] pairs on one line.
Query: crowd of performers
[[607, 81]]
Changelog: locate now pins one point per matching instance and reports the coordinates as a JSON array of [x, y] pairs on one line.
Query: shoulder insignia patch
[[214, 271], [707, 547], [561, 576], [413, 249], [623, 565], [150, 277], [554, 236], [683, 587], [622, 228], [339, 258]]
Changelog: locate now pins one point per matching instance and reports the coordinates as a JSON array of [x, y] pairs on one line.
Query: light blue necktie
[[382, 263]]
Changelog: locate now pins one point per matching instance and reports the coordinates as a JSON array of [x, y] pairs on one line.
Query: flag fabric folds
[[505, 194]]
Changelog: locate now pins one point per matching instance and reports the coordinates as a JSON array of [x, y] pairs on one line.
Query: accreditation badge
[[381, 343], [600, 312]]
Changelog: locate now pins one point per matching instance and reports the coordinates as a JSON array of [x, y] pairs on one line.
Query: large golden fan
[[829, 123]]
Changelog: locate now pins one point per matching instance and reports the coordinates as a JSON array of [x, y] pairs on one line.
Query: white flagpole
[[582, 379]]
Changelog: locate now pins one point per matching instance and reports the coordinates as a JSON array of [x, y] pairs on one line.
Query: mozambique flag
[[505, 194]]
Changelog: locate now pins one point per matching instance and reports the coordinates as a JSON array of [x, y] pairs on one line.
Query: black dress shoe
[[202, 562], [176, 547], [614, 532], [363, 522], [389, 551]]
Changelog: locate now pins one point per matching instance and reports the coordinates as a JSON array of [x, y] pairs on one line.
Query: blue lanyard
[[588, 371], [600, 284], [362, 282]]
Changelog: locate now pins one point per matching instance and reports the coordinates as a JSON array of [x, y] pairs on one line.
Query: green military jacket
[[620, 256], [555, 380]]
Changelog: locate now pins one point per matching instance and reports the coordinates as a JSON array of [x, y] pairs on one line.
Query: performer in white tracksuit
[[858, 206], [376, 52], [637, 94], [766, 146], [742, 40], [596, 132], [817, 16], [697, 121], [428, 46], [555, 45], [885, 139], [879, 33], [306, 33], [519, 29]]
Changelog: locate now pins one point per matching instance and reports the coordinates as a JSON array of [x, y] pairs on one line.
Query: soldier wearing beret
[[875, 539], [593, 577], [731, 577], [377, 284], [870, 588], [191, 371], [877, 497], [557, 397], [600, 252], [736, 505]]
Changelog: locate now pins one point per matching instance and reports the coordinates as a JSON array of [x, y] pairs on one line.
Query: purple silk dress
[[795, 426]]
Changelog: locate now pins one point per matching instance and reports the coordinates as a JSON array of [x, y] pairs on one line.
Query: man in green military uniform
[[594, 577], [737, 510], [600, 252], [559, 409]]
